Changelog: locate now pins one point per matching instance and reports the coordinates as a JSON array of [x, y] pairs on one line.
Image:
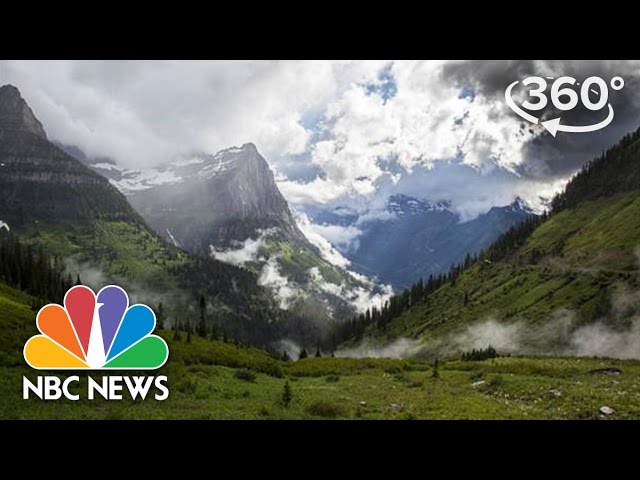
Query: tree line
[[356, 327], [615, 170], [33, 271]]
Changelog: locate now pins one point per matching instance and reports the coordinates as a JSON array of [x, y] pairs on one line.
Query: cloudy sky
[[335, 132]]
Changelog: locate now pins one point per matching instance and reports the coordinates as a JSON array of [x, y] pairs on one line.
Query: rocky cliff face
[[41, 183], [15, 114], [211, 199], [228, 206]]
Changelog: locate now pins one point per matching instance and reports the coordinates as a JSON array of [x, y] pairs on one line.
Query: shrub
[[393, 369], [325, 409], [480, 354], [332, 378], [407, 416], [263, 412], [496, 381], [245, 374], [187, 386]]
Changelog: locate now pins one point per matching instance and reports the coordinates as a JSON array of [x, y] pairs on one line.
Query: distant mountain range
[[213, 204], [415, 238]]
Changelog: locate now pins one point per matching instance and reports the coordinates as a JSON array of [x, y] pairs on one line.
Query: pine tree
[[303, 354], [202, 326], [160, 317], [435, 373], [318, 354], [78, 281], [287, 395]]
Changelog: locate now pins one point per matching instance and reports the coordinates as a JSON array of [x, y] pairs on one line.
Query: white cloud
[[415, 127], [375, 215], [247, 251], [399, 348], [328, 252], [146, 112], [324, 126], [344, 238], [361, 297], [270, 277]]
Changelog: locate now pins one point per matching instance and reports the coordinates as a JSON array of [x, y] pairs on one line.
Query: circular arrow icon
[[554, 126]]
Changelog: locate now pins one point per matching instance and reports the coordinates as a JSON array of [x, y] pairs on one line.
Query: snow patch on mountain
[[4, 225], [178, 171], [188, 161], [521, 205], [108, 166], [173, 239], [143, 180], [405, 205]]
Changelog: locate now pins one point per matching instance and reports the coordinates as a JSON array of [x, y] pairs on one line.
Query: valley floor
[[211, 379], [504, 388]]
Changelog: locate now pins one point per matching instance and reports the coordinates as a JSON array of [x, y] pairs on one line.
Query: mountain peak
[[249, 146], [247, 149], [402, 204], [519, 204], [16, 115]]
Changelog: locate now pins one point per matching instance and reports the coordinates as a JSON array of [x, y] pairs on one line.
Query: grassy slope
[[126, 250], [203, 384], [586, 253], [296, 264]]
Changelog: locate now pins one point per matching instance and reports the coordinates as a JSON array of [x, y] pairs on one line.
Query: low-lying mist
[[616, 335], [96, 278], [399, 348]]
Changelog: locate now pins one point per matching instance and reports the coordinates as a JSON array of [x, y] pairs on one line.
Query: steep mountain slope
[[228, 206], [50, 199], [567, 283], [217, 200], [40, 183], [418, 238]]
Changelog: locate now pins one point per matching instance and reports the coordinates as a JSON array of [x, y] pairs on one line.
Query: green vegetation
[[583, 256], [296, 261], [210, 379], [577, 260]]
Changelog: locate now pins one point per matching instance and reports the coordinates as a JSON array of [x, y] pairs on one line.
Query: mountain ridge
[[52, 201], [15, 113], [228, 205], [417, 237], [563, 283]]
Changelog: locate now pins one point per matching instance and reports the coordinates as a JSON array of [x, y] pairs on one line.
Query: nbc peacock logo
[[96, 332]]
